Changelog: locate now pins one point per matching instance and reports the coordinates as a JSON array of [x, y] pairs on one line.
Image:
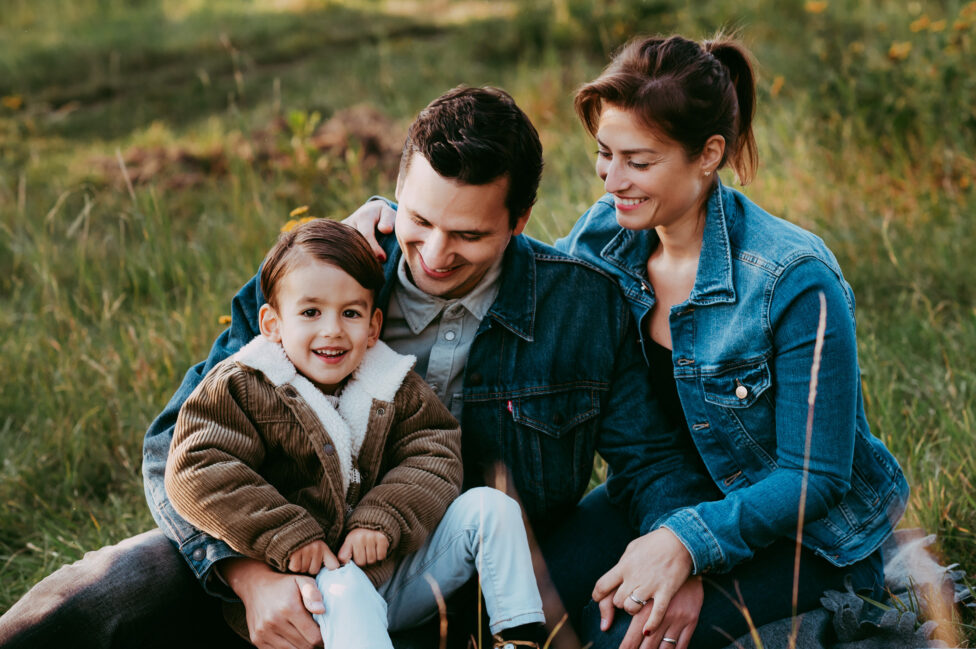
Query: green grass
[[109, 294]]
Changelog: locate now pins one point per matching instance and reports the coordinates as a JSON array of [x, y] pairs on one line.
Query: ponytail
[[744, 156]]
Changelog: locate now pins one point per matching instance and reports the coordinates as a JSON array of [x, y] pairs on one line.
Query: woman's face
[[653, 182]]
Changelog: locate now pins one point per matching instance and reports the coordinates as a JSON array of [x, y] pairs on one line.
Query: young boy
[[316, 435]]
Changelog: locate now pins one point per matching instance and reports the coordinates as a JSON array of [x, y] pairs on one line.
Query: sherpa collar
[[379, 376]]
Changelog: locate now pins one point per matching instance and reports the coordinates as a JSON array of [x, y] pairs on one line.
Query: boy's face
[[450, 233], [325, 320]]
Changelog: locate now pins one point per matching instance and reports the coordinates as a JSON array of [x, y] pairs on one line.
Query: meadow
[[150, 151]]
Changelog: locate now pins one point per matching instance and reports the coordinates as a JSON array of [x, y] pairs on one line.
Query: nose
[[330, 324], [436, 250], [614, 177]]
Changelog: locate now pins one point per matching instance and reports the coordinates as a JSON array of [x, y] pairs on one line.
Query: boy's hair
[[476, 136], [326, 241]]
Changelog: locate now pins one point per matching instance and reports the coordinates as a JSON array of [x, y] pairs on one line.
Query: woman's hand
[[370, 217], [652, 569], [679, 621], [364, 547]]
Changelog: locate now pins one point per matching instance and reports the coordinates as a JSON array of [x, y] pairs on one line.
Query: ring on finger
[[636, 600], [669, 640]]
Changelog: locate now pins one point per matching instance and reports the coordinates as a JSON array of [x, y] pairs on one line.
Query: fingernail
[[603, 624], [646, 632]]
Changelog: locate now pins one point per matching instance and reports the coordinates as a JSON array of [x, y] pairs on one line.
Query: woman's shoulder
[[761, 239]]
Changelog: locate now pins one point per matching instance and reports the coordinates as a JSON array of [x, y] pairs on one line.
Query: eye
[[640, 166], [351, 313], [310, 313], [467, 236], [419, 221], [606, 155]]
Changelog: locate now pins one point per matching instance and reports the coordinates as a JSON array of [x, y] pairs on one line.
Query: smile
[[628, 203], [331, 355], [437, 273]]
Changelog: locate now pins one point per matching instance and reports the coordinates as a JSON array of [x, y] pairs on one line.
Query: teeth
[[628, 201], [331, 353]]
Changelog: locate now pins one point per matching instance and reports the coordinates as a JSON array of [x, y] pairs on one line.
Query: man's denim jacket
[[554, 374], [743, 349]]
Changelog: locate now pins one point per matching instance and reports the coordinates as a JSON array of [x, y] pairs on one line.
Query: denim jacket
[[743, 348], [554, 374]]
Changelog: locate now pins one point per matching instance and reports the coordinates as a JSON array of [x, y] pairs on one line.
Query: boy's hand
[[311, 557], [364, 547]]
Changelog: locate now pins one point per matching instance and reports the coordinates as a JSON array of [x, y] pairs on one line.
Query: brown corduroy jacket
[[262, 460]]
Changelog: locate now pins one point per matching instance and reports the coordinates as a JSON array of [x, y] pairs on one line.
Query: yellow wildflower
[[291, 224], [899, 50], [815, 6], [960, 25], [937, 26], [969, 10], [299, 210], [777, 85], [856, 47], [920, 23], [964, 182], [224, 319], [13, 102]]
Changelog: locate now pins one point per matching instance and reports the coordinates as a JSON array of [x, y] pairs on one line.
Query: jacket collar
[[514, 306], [379, 375], [629, 250]]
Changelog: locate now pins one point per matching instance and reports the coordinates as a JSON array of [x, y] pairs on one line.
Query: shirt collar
[[420, 309]]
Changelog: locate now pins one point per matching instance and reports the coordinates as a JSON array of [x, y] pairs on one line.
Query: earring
[[707, 174]]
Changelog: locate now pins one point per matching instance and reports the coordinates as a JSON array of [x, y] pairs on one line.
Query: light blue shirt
[[439, 332]]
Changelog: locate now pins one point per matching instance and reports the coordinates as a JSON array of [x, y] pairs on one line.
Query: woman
[[729, 300]]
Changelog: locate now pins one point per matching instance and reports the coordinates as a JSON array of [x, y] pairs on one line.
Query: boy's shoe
[[501, 643]]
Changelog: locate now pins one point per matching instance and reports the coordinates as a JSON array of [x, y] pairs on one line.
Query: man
[[533, 351]]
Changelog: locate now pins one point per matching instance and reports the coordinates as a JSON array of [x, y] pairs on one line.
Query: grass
[[109, 292]]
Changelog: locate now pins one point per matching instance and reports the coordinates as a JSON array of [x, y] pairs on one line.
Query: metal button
[[199, 554], [742, 392], [329, 449], [474, 379], [450, 335], [381, 411]]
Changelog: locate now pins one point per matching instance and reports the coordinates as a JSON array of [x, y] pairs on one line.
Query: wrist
[[240, 572]]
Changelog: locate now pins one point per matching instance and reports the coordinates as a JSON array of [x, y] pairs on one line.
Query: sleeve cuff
[[290, 538], [694, 534]]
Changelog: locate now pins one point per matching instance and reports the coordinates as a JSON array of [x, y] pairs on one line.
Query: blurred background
[[150, 151]]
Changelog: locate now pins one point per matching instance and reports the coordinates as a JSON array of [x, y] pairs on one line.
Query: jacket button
[[381, 411], [474, 379], [198, 554], [742, 392], [289, 392], [329, 449]]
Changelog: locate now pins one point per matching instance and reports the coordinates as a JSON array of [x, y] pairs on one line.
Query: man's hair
[[326, 241], [476, 136]]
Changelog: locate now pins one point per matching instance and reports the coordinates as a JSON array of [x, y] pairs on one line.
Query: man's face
[[450, 233]]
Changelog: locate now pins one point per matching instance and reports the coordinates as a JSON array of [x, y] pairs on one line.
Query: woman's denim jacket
[[554, 374], [743, 348]]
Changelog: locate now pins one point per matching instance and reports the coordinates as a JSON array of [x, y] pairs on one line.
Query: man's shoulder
[[556, 262]]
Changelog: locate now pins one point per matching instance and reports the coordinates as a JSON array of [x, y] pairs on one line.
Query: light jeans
[[481, 532]]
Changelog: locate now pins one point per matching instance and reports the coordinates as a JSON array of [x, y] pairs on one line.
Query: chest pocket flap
[[737, 387], [557, 412]]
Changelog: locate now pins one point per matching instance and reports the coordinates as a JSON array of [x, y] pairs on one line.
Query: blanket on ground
[[916, 581]]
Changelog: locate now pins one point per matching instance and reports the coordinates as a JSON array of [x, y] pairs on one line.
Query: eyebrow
[[629, 151], [471, 233], [308, 299]]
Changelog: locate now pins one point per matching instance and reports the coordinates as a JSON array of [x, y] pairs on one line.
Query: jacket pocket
[[555, 436], [741, 397]]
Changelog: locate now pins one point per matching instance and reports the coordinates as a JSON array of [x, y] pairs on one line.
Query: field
[[150, 151]]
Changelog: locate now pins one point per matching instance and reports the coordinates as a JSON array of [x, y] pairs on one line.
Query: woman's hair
[[476, 136], [326, 241], [683, 90]]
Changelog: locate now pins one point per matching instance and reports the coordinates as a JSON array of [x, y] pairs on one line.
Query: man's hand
[[364, 547], [278, 606], [311, 557], [370, 217]]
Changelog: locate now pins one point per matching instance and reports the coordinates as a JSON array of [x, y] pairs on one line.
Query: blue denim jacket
[[554, 374], [743, 347]]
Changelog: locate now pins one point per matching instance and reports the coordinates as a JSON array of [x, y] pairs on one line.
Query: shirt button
[[198, 554], [450, 335], [742, 392], [329, 449]]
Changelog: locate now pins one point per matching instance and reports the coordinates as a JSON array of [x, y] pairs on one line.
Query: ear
[[269, 323], [521, 223], [712, 153], [375, 326]]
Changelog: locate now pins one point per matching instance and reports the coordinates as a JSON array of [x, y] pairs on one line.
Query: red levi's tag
[[510, 408]]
